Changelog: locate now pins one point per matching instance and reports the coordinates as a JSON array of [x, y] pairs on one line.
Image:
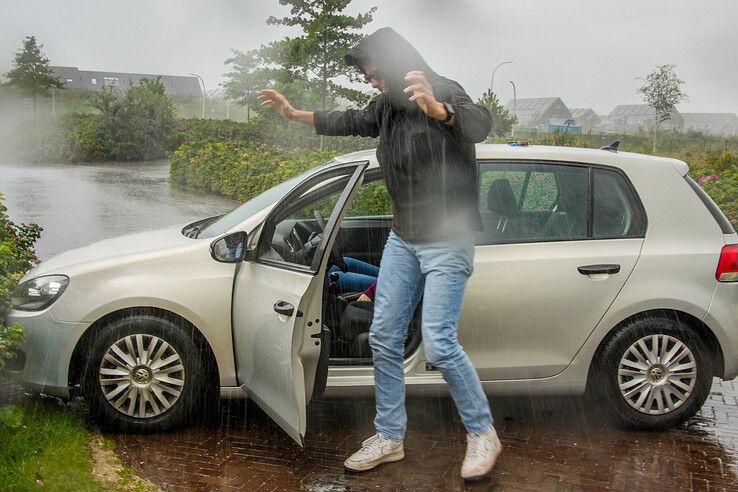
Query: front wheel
[[141, 374], [654, 373]]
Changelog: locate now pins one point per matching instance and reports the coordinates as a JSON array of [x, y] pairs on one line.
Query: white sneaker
[[374, 451], [482, 451]]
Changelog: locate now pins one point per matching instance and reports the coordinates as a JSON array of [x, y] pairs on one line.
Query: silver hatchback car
[[597, 270]]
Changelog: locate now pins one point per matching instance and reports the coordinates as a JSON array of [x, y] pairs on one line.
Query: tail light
[[727, 270]]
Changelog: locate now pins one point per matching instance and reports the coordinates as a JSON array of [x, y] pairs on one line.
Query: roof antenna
[[613, 147]]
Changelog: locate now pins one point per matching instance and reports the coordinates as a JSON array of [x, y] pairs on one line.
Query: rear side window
[[717, 214], [524, 202], [533, 202]]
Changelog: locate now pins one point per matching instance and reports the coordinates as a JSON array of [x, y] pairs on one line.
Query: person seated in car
[[354, 276]]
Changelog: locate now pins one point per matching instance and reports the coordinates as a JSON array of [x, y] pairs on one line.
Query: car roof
[[622, 160]]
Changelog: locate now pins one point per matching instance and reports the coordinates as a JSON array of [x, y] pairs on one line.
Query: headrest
[[500, 198]]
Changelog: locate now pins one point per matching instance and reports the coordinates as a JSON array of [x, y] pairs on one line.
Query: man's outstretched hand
[[423, 95], [269, 97]]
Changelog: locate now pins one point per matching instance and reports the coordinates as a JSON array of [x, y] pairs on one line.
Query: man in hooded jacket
[[427, 126]]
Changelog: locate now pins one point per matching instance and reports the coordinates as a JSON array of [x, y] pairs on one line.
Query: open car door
[[277, 296]]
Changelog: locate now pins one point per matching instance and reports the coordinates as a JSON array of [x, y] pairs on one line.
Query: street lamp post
[[492, 80], [203, 93], [515, 103]]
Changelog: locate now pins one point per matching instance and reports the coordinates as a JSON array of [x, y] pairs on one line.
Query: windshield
[[256, 204]]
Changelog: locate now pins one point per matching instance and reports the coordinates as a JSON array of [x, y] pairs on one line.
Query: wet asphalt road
[[549, 444]]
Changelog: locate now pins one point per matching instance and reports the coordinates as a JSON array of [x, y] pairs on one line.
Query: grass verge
[[44, 445]]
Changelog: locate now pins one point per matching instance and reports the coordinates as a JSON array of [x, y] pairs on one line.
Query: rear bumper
[[722, 317], [47, 350]]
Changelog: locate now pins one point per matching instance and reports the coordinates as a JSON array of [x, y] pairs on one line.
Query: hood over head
[[394, 56]]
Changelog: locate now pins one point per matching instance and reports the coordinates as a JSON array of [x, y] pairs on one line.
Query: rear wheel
[[142, 374], [655, 373]]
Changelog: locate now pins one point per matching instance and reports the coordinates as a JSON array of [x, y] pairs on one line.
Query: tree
[[31, 73], [502, 122], [662, 91], [314, 60]]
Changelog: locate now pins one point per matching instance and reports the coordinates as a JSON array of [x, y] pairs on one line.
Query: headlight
[[39, 293]]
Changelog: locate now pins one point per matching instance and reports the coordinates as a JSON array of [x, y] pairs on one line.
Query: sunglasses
[[375, 75]]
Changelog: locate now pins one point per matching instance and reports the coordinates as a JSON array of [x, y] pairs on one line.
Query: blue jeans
[[358, 277], [437, 271]]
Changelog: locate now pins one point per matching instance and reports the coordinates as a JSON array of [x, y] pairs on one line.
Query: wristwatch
[[450, 113]]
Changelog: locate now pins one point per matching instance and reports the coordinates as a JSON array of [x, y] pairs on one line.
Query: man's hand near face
[[422, 94]]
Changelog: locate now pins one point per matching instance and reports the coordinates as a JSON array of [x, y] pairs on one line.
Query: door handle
[[284, 308], [593, 269]]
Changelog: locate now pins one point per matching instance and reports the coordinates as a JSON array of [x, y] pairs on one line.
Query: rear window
[[717, 214]]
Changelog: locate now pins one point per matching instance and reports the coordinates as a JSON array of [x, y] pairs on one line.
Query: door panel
[[265, 341], [527, 308]]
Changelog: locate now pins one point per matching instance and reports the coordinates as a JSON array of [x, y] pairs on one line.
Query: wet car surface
[[549, 444]]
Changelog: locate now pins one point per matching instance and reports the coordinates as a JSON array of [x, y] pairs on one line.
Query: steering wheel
[[295, 247], [319, 219]]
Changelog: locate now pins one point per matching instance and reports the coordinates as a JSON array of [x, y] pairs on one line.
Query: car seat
[[501, 217]]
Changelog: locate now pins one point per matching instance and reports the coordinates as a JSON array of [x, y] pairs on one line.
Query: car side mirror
[[230, 248]]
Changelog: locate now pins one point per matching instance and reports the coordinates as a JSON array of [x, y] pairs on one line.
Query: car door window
[[294, 231], [531, 202]]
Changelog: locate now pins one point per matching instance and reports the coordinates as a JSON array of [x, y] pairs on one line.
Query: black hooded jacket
[[429, 168]]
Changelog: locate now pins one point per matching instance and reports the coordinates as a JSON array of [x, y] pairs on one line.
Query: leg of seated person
[[358, 266], [354, 282]]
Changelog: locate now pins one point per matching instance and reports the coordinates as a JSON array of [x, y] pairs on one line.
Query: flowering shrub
[[17, 255], [722, 188]]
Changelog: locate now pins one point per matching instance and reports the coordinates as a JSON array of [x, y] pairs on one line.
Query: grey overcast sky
[[586, 52]]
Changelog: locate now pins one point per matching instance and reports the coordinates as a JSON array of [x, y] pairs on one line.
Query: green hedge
[[240, 170], [200, 130]]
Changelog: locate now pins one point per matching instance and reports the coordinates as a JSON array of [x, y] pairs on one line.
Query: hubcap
[[657, 374], [141, 376]]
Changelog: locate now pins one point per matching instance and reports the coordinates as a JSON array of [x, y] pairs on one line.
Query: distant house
[[539, 112], [586, 118], [725, 124], [638, 118], [175, 85]]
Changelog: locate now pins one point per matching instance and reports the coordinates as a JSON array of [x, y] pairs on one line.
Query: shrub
[[240, 170], [197, 129], [17, 255]]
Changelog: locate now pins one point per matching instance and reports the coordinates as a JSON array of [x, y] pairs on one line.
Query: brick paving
[[549, 444]]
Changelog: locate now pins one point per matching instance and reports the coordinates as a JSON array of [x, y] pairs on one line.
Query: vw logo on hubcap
[[141, 375], [656, 373]]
